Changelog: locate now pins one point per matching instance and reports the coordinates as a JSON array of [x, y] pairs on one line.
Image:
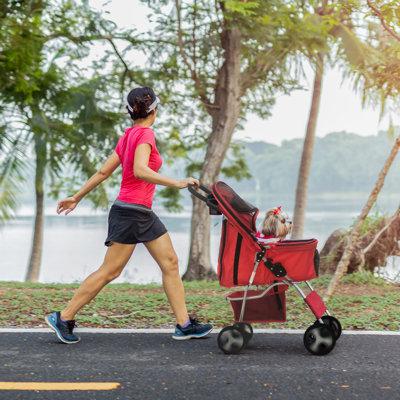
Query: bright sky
[[340, 109]]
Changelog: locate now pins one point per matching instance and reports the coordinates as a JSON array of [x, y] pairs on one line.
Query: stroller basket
[[261, 305]]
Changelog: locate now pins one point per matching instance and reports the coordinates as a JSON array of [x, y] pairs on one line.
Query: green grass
[[361, 302]]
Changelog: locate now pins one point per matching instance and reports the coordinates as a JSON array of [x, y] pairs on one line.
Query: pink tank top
[[135, 190]]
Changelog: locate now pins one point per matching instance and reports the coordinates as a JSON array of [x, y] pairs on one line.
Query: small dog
[[275, 227]]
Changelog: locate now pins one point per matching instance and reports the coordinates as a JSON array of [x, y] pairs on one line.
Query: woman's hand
[[184, 183], [67, 205]]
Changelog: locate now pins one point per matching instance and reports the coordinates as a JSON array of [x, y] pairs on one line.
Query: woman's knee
[[110, 272], [171, 264]]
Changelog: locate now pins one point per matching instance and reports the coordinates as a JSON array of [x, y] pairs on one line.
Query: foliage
[[13, 172], [364, 278], [388, 14], [237, 166], [376, 73], [276, 38], [50, 100], [188, 51], [371, 223], [45, 92]]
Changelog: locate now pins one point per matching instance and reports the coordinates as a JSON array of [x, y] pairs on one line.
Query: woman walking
[[131, 221]]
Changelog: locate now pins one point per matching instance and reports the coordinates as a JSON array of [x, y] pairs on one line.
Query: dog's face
[[277, 223]]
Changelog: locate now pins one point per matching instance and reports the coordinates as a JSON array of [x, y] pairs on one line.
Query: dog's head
[[276, 223]]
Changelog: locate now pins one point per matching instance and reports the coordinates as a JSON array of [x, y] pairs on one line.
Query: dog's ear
[[265, 224], [271, 225], [287, 228], [280, 229]]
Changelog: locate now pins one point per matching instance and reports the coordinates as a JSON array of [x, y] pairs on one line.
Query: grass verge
[[362, 301]]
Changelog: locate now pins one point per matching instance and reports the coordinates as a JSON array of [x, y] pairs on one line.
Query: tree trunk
[[224, 120], [199, 266], [308, 148], [353, 238], [33, 271]]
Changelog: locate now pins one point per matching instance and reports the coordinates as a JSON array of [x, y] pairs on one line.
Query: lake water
[[74, 244]]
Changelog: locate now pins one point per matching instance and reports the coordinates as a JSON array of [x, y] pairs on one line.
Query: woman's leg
[[116, 258], [163, 252]]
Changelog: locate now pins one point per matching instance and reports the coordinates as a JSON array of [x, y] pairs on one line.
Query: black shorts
[[131, 224]]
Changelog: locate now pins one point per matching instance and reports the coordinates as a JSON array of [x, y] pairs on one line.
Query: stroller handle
[[195, 193], [209, 199]]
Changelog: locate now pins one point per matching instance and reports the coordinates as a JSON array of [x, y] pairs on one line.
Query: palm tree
[[56, 144], [308, 148], [352, 50], [49, 110]]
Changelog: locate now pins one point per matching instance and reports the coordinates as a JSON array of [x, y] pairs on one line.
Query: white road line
[[169, 330]]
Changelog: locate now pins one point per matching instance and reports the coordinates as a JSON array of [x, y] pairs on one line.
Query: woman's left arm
[[101, 175]]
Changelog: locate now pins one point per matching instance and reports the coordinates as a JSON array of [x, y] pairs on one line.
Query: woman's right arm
[[142, 170]]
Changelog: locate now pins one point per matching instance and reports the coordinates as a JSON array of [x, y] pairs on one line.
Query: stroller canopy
[[238, 211]]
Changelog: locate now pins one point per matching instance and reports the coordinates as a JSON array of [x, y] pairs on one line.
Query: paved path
[[153, 366]]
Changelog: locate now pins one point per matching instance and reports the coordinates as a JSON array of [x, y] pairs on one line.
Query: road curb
[[170, 330]]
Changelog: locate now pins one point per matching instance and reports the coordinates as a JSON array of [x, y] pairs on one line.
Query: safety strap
[[276, 268]]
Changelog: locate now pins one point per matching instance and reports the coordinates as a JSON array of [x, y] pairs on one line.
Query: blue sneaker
[[194, 331], [63, 329]]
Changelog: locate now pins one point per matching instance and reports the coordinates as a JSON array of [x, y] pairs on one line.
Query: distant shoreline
[[86, 209]]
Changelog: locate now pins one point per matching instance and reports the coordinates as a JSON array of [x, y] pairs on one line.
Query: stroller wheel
[[319, 339], [231, 340], [333, 323], [246, 330]]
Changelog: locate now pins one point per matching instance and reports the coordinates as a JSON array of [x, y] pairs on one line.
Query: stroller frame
[[286, 281], [300, 258]]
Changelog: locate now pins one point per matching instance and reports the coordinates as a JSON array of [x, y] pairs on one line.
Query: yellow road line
[[59, 385]]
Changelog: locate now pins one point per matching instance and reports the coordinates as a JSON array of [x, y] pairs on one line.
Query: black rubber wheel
[[334, 324], [246, 330], [231, 340], [319, 339]]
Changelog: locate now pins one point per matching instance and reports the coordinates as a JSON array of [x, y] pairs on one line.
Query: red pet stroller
[[266, 271]]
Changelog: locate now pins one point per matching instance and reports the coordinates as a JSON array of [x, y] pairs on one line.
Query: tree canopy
[[52, 106]]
